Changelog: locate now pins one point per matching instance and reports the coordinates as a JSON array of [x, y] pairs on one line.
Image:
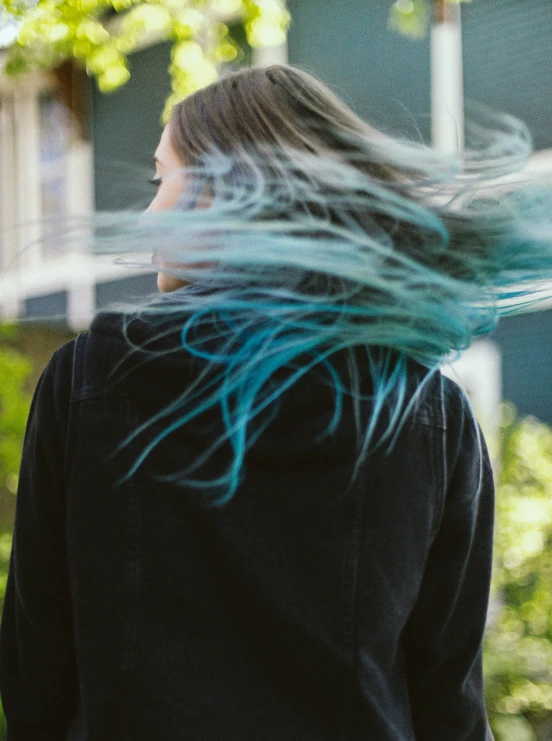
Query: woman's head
[[331, 201], [305, 232], [262, 120]]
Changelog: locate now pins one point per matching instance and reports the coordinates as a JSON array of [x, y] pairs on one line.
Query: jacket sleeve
[[37, 664], [443, 637]]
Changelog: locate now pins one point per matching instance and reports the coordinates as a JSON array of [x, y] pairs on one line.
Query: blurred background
[[83, 91]]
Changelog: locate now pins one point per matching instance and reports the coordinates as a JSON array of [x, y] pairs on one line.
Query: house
[[53, 164]]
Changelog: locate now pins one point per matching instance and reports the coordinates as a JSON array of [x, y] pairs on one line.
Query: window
[[45, 174], [55, 132]]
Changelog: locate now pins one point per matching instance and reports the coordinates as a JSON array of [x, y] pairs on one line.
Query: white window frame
[[25, 271]]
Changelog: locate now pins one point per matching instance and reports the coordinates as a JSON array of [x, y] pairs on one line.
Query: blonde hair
[[277, 108]]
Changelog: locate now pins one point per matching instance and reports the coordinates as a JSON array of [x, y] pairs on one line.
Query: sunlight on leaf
[[410, 17], [518, 643], [54, 30]]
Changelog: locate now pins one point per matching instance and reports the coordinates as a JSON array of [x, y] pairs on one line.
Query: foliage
[[5, 549], [518, 649], [411, 17], [15, 370], [100, 34]]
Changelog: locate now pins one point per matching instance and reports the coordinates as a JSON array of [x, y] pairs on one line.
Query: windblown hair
[[303, 232]]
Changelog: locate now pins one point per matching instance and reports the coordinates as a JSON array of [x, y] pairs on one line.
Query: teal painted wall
[[508, 60], [126, 126], [130, 289], [50, 308], [526, 347], [385, 77]]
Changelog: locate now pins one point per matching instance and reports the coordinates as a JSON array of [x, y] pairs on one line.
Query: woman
[[252, 508]]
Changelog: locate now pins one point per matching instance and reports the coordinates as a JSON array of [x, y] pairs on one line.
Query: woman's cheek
[[168, 194], [167, 283]]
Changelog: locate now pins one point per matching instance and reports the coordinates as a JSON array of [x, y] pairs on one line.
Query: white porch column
[[479, 372], [447, 85], [270, 55], [8, 173], [80, 204], [27, 157], [81, 295]]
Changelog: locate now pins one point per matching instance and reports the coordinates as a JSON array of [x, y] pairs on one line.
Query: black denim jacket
[[303, 610]]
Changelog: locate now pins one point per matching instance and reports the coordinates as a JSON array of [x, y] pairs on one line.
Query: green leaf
[[513, 728], [518, 643], [410, 17], [14, 409], [54, 30]]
